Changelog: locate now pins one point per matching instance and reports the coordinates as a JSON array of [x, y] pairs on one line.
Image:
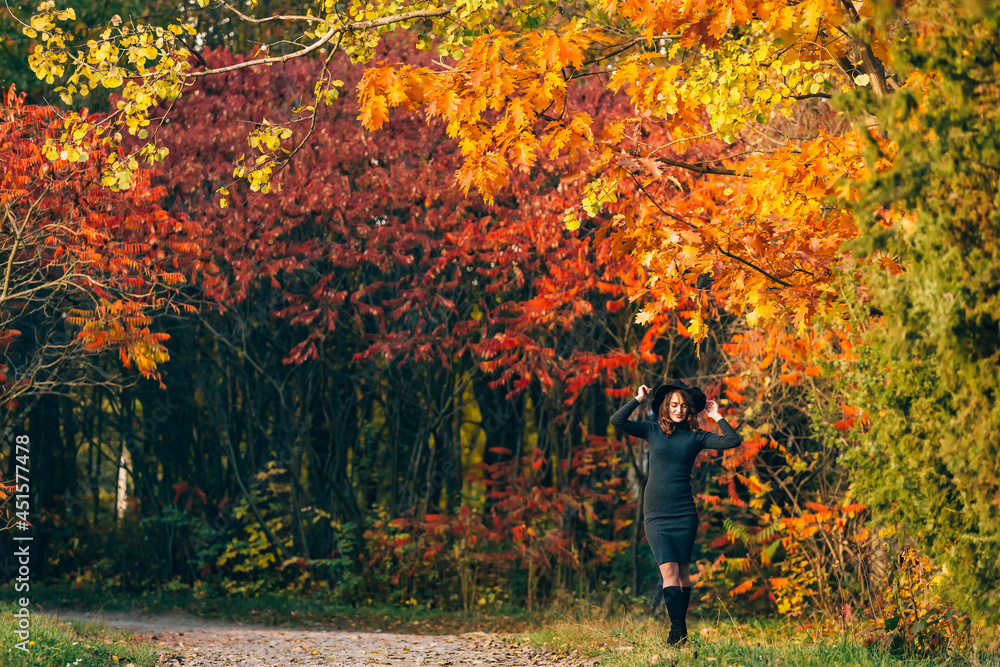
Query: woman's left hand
[[712, 410]]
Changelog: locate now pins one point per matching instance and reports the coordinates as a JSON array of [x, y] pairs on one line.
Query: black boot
[[673, 597], [686, 594]]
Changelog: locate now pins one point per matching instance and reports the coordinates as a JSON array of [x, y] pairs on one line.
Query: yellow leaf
[[696, 328], [644, 316], [112, 79]]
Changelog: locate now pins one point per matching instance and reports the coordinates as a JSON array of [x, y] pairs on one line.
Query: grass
[[622, 640], [631, 642], [76, 644]]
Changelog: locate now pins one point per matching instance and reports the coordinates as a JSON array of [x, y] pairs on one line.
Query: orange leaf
[[743, 588], [844, 424]]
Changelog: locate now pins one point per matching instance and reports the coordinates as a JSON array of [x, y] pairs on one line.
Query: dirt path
[[187, 640]]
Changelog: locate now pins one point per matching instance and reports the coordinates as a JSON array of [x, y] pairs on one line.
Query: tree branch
[[873, 66], [689, 224], [280, 17], [13, 252], [657, 204], [334, 30], [626, 46], [699, 169], [752, 266]]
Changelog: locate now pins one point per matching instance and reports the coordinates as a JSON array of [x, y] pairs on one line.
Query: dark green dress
[[668, 508]]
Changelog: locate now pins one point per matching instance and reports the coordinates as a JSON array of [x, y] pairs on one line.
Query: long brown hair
[[667, 425]]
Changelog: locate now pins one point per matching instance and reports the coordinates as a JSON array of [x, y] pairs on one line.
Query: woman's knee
[[670, 573]]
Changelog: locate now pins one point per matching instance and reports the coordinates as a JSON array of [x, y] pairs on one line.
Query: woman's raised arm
[[620, 418], [729, 438]]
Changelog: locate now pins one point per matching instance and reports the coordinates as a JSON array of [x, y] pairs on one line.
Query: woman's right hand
[[642, 393]]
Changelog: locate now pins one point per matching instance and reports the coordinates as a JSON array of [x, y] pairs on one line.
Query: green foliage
[[94, 549], [930, 375], [338, 573], [73, 643], [724, 640], [17, 47]]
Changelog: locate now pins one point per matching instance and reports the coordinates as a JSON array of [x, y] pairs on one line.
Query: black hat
[[695, 397]]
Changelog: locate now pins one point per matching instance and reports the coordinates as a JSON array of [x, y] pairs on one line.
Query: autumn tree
[[764, 222], [14, 55], [701, 74], [928, 376], [423, 331], [90, 16], [83, 267]]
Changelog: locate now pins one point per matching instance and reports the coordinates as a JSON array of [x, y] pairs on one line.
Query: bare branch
[[334, 30], [280, 17]]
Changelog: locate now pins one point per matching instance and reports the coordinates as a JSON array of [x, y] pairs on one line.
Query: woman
[[668, 506]]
